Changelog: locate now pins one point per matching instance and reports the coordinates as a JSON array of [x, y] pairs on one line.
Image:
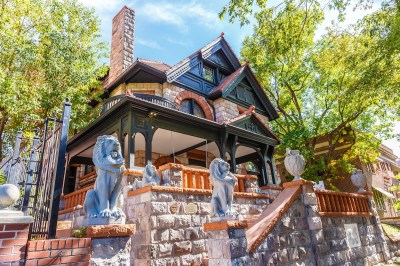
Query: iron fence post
[[31, 171], [58, 181]]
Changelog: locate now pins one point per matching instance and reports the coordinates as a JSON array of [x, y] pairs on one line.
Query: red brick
[[9, 258], [19, 249], [82, 243], [70, 259], [75, 243], [32, 245], [80, 264], [47, 244], [5, 251], [79, 251], [12, 242], [31, 262], [61, 243], [2, 227], [22, 235], [56, 253], [38, 254], [16, 227], [54, 244], [86, 257], [39, 245], [68, 243], [5, 235], [48, 261]]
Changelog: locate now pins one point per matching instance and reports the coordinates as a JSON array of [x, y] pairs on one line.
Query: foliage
[[342, 85], [49, 50], [79, 233], [2, 178]]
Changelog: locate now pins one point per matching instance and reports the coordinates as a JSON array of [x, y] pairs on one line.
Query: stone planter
[[294, 163], [359, 180]]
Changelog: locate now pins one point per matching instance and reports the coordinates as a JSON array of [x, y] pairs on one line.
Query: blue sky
[[169, 31]]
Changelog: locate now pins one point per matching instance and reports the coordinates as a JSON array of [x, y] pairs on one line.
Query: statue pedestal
[[104, 221], [225, 218]]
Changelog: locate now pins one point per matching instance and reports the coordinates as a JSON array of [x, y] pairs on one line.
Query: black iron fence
[[40, 174]]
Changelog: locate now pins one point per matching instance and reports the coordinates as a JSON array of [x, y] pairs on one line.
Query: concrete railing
[[332, 203]]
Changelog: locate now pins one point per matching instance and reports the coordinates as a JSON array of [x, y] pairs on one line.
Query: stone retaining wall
[[169, 231]]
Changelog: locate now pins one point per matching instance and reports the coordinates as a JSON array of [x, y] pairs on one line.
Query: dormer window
[[208, 73]]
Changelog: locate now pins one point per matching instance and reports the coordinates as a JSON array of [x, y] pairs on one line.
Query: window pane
[[198, 111], [185, 106], [208, 73]]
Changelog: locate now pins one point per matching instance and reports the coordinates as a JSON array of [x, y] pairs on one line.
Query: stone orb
[[9, 194]]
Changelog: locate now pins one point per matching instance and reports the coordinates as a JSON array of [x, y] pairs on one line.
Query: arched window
[[191, 107]]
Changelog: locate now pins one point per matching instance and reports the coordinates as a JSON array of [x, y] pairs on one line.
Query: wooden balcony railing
[[88, 179], [332, 203], [196, 178], [200, 179], [74, 199]]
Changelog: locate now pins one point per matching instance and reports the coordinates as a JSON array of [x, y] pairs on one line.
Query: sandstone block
[[166, 221], [110, 230], [182, 248]]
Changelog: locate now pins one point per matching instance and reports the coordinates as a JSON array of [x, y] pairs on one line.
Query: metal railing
[[110, 102]]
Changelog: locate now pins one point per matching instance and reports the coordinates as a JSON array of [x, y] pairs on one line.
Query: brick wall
[[59, 252], [13, 238]]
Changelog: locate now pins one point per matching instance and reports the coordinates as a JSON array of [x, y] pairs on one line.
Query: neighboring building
[[207, 105], [380, 175]]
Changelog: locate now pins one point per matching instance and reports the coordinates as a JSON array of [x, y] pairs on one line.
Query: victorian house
[[207, 105]]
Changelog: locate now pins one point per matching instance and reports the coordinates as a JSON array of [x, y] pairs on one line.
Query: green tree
[[343, 84], [49, 50]]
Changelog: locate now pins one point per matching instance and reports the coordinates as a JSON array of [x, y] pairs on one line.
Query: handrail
[[110, 102], [333, 203], [156, 100], [75, 198]]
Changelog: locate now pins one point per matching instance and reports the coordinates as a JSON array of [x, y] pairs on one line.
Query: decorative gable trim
[[227, 90], [250, 122], [203, 54]]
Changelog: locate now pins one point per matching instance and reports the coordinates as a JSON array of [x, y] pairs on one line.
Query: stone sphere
[[9, 194]]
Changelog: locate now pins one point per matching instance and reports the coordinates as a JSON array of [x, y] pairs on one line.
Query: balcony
[[110, 102]]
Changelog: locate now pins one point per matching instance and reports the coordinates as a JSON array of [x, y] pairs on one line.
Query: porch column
[[232, 152], [131, 141], [149, 143]]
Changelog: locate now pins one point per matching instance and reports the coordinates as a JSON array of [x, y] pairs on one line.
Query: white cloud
[[180, 14], [148, 43], [103, 6]]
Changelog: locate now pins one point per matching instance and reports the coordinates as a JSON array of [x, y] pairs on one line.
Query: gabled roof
[[153, 69], [205, 52], [155, 64], [229, 84], [250, 121]]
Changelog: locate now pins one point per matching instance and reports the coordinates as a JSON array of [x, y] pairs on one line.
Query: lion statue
[[150, 178], [223, 183], [104, 200]]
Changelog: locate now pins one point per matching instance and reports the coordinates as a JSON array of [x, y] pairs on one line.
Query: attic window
[[208, 73]]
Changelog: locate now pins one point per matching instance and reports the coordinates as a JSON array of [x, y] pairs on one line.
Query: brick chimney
[[121, 42]]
